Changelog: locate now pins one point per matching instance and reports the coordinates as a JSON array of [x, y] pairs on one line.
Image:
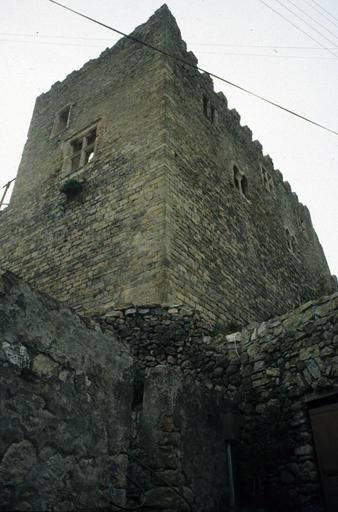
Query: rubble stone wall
[[274, 371], [80, 420], [65, 399]]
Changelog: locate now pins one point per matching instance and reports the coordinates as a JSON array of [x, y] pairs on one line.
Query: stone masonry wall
[[158, 218], [270, 370], [285, 364], [83, 426], [105, 246], [73, 406], [179, 431], [65, 399], [228, 253]]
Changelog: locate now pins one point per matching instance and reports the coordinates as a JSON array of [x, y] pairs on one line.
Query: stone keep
[[138, 185]]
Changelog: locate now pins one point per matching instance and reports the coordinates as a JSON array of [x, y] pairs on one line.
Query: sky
[[284, 50]]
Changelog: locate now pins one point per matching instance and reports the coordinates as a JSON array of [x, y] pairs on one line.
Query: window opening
[[61, 120], [291, 242], [244, 185], [267, 180], [83, 149], [237, 178], [209, 110], [212, 113], [240, 181], [205, 106]]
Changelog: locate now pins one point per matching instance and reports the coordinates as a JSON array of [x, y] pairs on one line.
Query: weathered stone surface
[[65, 402], [17, 461], [259, 378], [159, 196], [179, 419], [16, 355], [44, 366], [163, 497], [134, 236]]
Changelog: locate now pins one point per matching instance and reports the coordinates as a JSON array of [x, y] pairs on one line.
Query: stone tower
[[138, 185]]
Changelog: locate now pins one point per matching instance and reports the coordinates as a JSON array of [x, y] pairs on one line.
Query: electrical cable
[[294, 25], [241, 54], [48, 43], [264, 46], [325, 10], [313, 7], [265, 55], [38, 36], [313, 19], [187, 63], [304, 21]]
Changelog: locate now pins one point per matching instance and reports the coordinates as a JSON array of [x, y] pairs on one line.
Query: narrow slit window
[[244, 185], [205, 106], [237, 179], [209, 110], [240, 181], [291, 242], [267, 180], [212, 113]]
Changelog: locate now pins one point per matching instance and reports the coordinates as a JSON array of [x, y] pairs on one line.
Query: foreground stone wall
[[66, 394], [179, 432], [272, 371], [81, 421], [286, 366], [88, 406]]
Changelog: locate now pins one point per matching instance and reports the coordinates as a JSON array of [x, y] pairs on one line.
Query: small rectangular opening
[[205, 105], [63, 118], [61, 121]]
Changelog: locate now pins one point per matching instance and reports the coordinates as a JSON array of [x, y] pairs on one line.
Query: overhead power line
[[296, 26], [271, 55], [37, 36], [265, 46], [325, 10], [187, 63], [313, 19], [304, 21], [318, 11], [238, 54]]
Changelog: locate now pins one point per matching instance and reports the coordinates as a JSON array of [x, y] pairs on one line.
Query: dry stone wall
[[84, 399], [273, 371], [84, 427], [287, 366], [179, 433]]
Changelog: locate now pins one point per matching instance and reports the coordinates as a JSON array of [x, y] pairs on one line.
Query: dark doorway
[[324, 420]]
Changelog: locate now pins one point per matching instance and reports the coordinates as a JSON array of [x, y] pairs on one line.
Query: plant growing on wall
[[72, 188]]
